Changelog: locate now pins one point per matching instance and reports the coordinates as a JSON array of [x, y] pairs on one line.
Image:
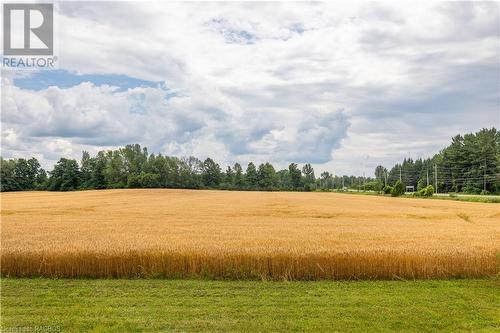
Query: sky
[[343, 86]]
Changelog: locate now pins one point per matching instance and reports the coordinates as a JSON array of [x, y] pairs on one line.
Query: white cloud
[[267, 81]]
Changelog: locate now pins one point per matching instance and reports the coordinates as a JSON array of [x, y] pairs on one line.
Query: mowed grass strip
[[249, 306], [245, 235]]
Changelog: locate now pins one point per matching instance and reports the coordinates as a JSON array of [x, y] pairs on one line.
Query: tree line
[[133, 167], [470, 164]]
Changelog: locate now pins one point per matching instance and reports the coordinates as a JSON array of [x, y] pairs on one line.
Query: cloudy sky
[[342, 86]]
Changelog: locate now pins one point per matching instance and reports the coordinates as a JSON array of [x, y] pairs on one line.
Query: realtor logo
[[28, 29]]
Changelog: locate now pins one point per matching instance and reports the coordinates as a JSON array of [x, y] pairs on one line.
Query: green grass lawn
[[251, 306]]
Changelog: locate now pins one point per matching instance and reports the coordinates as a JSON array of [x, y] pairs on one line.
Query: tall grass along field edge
[[376, 265]]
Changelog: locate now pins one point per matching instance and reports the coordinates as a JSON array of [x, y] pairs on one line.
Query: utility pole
[[436, 177], [364, 188], [400, 179], [484, 179], [385, 182], [342, 183], [427, 177]]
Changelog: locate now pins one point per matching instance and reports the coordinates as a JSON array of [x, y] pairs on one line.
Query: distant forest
[[470, 164]]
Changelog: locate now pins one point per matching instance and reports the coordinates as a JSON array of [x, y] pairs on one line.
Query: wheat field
[[245, 235]]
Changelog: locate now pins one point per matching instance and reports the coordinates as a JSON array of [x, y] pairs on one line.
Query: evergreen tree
[[251, 176]]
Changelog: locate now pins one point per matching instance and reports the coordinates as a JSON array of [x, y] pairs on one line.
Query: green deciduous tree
[[211, 173], [295, 176], [65, 176], [266, 176], [239, 178], [309, 178], [398, 189]]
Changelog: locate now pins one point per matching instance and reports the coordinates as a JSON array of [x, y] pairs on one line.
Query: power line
[[471, 178]]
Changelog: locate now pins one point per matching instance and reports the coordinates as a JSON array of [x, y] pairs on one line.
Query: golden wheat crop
[[245, 235]]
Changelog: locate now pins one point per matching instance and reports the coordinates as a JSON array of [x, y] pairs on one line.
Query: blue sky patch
[[64, 79]]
